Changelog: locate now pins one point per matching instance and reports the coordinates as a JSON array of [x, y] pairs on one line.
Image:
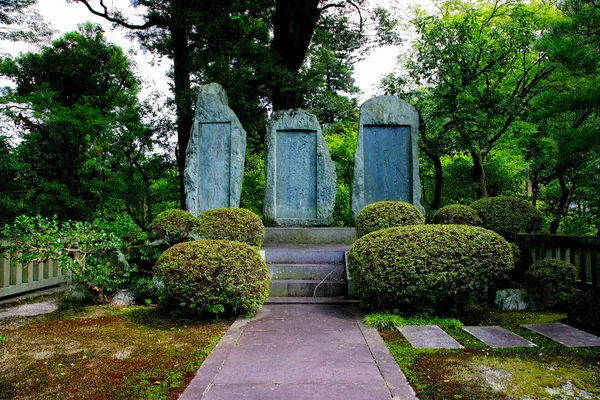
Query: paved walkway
[[300, 351]]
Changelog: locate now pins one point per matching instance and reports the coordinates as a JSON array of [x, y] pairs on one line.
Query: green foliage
[[236, 224], [457, 214], [19, 21], [508, 216], [91, 251], [214, 276], [386, 214], [2, 338], [550, 283], [427, 268], [174, 226], [385, 321], [253, 184], [583, 309]]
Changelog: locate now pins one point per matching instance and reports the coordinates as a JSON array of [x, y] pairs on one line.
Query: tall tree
[[19, 21]]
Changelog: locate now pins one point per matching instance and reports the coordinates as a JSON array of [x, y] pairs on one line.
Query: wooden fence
[[581, 251], [17, 278]]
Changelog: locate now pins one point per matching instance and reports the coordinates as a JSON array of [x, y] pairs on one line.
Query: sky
[[64, 17]]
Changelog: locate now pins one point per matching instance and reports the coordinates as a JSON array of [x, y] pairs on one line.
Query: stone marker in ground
[[214, 164], [428, 337], [386, 164], [565, 335], [497, 337], [511, 299], [300, 175]]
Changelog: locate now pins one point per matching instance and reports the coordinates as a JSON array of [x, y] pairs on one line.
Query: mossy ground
[[99, 352], [548, 371]]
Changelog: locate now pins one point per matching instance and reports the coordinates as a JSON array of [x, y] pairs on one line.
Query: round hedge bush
[[427, 268], [457, 214], [508, 216], [584, 308], [174, 226], [214, 275], [386, 214], [231, 224], [550, 283]]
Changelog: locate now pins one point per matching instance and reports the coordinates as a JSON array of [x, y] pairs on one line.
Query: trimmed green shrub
[[584, 308], [427, 268], [457, 214], [215, 276], [550, 283], [174, 226], [508, 216], [386, 214], [231, 224]]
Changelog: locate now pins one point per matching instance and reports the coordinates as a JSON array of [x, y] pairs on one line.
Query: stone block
[[214, 165], [386, 162], [300, 175], [511, 299]]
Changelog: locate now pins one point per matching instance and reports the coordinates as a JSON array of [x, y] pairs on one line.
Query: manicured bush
[[174, 226], [427, 268], [508, 216], [386, 214], [231, 224], [457, 214], [584, 308], [215, 276], [550, 283]]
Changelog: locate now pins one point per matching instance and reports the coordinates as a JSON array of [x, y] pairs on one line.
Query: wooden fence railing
[[17, 278], [581, 251]]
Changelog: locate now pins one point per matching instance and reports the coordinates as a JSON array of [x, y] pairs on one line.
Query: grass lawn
[[548, 371], [100, 352]]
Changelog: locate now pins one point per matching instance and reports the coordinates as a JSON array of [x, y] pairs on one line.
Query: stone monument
[[386, 164], [300, 175], [214, 164]]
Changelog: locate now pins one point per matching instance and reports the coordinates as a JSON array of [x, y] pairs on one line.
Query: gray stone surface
[[78, 294], [497, 337], [30, 310], [291, 235], [565, 335], [307, 288], [124, 298], [307, 271], [386, 163], [300, 352], [215, 154], [511, 299], [305, 255], [429, 337], [300, 175]]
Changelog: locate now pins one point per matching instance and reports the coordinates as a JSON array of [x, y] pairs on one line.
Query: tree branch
[[150, 22]]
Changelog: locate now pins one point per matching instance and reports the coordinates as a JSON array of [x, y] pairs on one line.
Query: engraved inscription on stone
[[388, 163], [214, 167], [296, 181]]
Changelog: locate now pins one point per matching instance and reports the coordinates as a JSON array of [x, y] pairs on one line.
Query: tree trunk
[[183, 101], [563, 202], [294, 22], [479, 173]]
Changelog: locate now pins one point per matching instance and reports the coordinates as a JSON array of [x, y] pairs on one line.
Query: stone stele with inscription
[[386, 164], [300, 175], [214, 165]]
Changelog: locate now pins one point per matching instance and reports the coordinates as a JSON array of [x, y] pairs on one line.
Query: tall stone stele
[[300, 175], [214, 164], [386, 163]]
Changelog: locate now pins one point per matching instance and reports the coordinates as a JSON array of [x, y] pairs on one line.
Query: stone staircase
[[307, 262]]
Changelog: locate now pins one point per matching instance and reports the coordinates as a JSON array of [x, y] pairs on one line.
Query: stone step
[[306, 288], [309, 236], [307, 271], [288, 255]]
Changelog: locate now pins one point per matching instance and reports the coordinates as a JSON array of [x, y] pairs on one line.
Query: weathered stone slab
[[386, 163], [215, 154], [429, 337], [565, 335], [300, 175], [511, 299], [497, 337]]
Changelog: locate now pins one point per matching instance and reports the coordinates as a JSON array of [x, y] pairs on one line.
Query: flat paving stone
[[565, 335], [497, 337], [300, 352], [428, 337], [30, 310]]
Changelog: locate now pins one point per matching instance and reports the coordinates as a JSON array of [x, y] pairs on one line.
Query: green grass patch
[[390, 321], [548, 371]]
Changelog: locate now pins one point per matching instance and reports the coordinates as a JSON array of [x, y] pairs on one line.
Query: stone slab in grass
[[428, 337], [565, 335], [497, 337]]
